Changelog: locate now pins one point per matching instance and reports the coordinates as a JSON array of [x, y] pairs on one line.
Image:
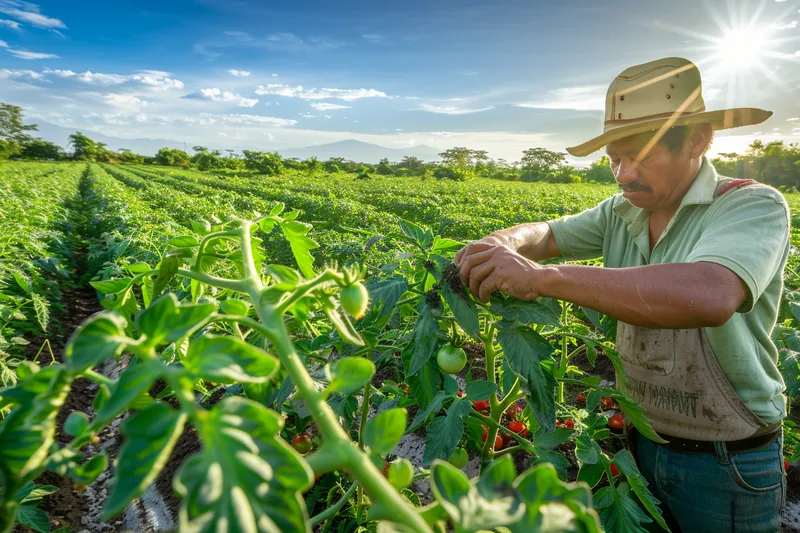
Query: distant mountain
[[361, 152]]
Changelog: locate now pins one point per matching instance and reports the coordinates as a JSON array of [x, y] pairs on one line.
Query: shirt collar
[[701, 192]]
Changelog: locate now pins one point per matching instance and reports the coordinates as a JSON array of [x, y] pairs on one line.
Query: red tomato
[[498, 443], [581, 399], [607, 403], [558, 423], [569, 423], [516, 426], [614, 471], [460, 394], [302, 443], [481, 405], [485, 434], [786, 465], [616, 421]]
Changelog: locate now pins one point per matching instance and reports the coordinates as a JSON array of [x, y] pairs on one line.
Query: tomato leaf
[[426, 332], [384, 431], [34, 518], [620, 513], [480, 390], [295, 232], [464, 310], [444, 433], [166, 271], [228, 360], [524, 311], [624, 461], [166, 320], [345, 328], [385, 294], [434, 406], [134, 381], [98, 339], [245, 478]]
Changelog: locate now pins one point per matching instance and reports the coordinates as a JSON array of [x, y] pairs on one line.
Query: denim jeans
[[724, 492]]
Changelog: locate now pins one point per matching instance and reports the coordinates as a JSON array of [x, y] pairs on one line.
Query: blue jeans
[[725, 492]]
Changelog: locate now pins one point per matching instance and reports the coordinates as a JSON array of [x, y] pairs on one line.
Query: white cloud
[[14, 25], [452, 110], [347, 95], [238, 73], [307, 115], [325, 106], [793, 119], [17, 74], [29, 13], [155, 79], [3, 44], [786, 25], [26, 54], [241, 36], [218, 95], [274, 75], [125, 101], [372, 37], [245, 119], [583, 98]]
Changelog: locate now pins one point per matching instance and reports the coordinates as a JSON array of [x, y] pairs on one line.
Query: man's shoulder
[[731, 190]]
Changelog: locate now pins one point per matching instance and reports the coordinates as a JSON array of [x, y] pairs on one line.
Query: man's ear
[[700, 140]]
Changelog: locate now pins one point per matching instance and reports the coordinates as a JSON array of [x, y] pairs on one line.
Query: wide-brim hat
[[658, 95]]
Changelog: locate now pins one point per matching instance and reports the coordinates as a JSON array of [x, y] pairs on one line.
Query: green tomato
[[451, 359], [355, 299], [459, 458], [400, 473]]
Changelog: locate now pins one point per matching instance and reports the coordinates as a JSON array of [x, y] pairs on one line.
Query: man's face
[[649, 176]]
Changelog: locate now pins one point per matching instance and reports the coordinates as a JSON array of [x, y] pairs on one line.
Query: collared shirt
[[745, 230]]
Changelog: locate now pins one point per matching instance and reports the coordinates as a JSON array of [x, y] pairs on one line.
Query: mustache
[[634, 187]]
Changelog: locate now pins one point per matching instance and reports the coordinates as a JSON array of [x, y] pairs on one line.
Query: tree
[[172, 158], [384, 169], [130, 158], [83, 148], [459, 156], [414, 165], [264, 163], [542, 160], [12, 130], [600, 171], [39, 149]]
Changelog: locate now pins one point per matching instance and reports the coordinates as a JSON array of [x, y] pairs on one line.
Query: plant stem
[[362, 425], [562, 367], [331, 511], [97, 377], [214, 281], [495, 426]]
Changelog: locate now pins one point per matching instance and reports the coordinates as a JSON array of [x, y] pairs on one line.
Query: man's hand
[[488, 266]]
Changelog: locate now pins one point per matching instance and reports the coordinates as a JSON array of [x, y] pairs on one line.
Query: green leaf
[[245, 478], [166, 271], [464, 310], [201, 227], [286, 278], [132, 383], [150, 436], [450, 487], [524, 311], [433, 407], [228, 360], [295, 232], [138, 268], [587, 450], [34, 518], [385, 294], [549, 440], [790, 370], [480, 390], [349, 374], [444, 433], [277, 209], [33, 493], [626, 464], [524, 351], [635, 414], [23, 282], [76, 423], [99, 338], [426, 332], [88, 472], [112, 286], [166, 320], [345, 328], [623, 514], [423, 237], [384, 431], [443, 245], [184, 241], [591, 474], [234, 307], [42, 310]]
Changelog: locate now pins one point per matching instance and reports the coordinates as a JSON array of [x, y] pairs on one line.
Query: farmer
[[693, 274]]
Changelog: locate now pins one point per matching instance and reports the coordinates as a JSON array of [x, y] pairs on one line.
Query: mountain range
[[350, 149]]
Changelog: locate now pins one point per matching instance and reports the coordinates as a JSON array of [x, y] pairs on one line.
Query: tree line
[[773, 163]]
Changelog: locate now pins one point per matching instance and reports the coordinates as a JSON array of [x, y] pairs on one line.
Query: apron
[[676, 378]]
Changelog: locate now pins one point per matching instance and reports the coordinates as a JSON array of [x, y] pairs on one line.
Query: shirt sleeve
[[747, 232], [580, 237]]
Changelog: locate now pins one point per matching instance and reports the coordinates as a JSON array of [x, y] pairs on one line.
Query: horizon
[[245, 75]]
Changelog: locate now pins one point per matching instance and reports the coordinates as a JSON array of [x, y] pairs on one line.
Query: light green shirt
[[745, 230]]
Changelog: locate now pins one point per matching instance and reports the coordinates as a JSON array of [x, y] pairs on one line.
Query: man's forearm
[[535, 241], [673, 296]]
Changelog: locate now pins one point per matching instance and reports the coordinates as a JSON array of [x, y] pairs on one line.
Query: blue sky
[[501, 76]]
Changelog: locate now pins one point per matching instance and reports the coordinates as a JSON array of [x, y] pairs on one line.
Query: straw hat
[[657, 96]]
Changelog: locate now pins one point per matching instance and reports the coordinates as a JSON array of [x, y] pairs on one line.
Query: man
[[693, 273]]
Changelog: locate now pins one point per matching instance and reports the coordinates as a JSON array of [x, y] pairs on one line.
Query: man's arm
[[534, 241]]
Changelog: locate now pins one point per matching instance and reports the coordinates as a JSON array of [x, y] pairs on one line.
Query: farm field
[[221, 352]]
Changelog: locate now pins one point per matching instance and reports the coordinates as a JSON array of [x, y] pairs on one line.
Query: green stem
[[494, 426], [324, 460], [97, 377], [214, 281], [361, 432], [562, 367], [301, 290], [208, 239], [331, 511]]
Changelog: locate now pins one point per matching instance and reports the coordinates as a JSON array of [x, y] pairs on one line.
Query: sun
[[742, 49]]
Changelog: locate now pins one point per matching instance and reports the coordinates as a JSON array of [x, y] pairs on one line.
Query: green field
[[255, 317]]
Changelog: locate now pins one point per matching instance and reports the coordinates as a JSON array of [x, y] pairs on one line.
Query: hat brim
[[720, 120]]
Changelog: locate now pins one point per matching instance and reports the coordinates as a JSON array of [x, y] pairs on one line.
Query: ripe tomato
[[785, 465], [498, 443], [481, 405], [451, 359], [460, 394], [581, 399], [302, 443], [400, 473], [355, 299], [485, 433], [569, 423], [614, 471], [607, 403], [616, 421], [516, 427], [459, 458]]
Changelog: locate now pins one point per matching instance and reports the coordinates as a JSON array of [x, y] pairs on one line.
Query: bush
[[454, 173]]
